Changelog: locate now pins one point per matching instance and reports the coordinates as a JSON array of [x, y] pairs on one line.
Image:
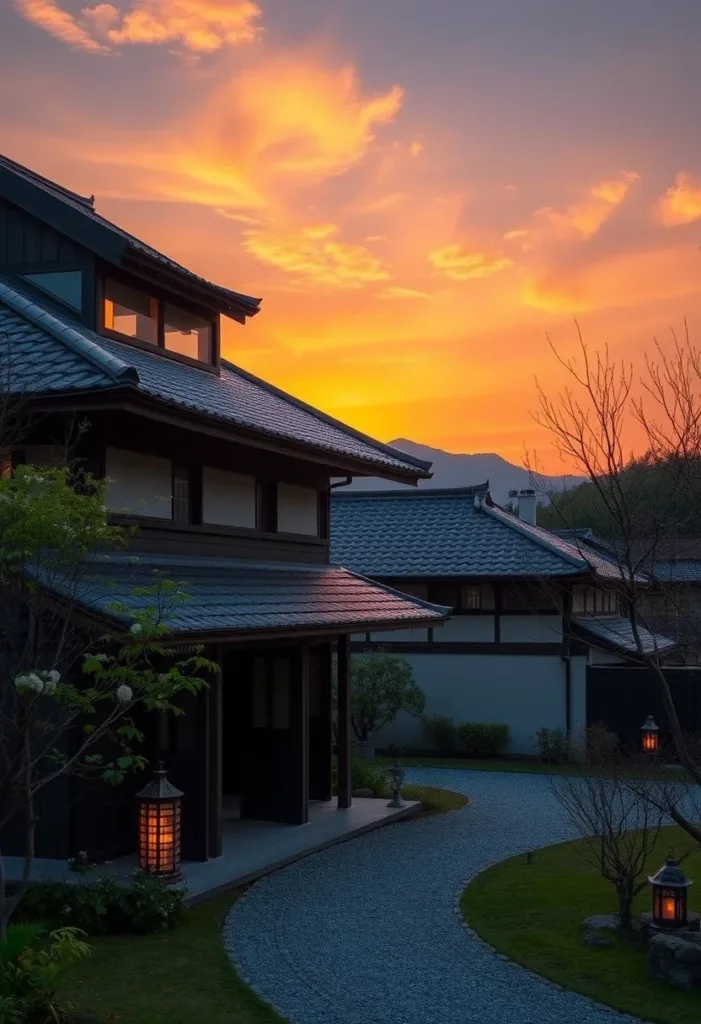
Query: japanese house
[[228, 479], [533, 613]]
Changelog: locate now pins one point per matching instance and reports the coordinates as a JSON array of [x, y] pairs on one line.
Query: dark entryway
[[622, 698], [276, 731]]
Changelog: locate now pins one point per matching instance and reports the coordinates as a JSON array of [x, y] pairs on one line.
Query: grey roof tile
[[435, 533], [237, 596], [678, 572], [234, 397], [618, 635]]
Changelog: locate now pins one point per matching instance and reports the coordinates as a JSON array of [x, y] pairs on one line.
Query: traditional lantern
[[395, 774], [669, 887], [650, 734], [159, 826]]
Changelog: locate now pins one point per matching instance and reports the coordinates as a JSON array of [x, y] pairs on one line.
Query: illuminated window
[[130, 312], [187, 334], [470, 598]]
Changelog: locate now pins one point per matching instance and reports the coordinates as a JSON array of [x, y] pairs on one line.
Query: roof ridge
[[525, 529], [417, 492], [385, 449], [14, 165], [118, 371]]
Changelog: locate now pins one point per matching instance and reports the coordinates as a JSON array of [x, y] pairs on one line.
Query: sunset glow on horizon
[[421, 193]]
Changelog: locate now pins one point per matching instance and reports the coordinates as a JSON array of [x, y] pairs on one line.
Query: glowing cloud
[[313, 255], [397, 292], [583, 220], [53, 19], [681, 203], [200, 26], [462, 266], [310, 119]]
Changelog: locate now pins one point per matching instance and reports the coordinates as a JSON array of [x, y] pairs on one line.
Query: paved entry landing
[[250, 848]]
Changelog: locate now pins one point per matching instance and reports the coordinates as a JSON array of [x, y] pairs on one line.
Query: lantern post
[[669, 896], [650, 735], [159, 827]]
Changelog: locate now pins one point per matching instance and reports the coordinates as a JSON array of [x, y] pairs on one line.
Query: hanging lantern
[[159, 826], [669, 887], [650, 733]]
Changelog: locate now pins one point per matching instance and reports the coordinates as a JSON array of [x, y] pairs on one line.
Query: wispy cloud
[[398, 292], [199, 26], [313, 254], [459, 265], [681, 203], [583, 219]]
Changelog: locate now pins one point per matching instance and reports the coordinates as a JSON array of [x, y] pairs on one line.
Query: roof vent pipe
[[525, 504]]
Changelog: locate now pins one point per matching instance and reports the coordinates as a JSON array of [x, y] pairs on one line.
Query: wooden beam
[[344, 724], [214, 756]]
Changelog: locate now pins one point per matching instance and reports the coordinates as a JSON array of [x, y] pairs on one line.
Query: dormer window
[[135, 314], [130, 312]]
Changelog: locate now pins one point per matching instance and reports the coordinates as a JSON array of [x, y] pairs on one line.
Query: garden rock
[[597, 941], [675, 960], [363, 792], [602, 922]]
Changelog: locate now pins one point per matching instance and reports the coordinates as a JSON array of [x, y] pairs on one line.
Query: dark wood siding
[[27, 245]]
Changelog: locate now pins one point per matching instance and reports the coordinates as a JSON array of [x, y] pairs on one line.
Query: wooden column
[[344, 725], [321, 724], [214, 755]]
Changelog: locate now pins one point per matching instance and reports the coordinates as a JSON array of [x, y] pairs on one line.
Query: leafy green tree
[[382, 685], [67, 692]]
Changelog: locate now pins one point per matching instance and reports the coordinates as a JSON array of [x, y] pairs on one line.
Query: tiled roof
[[231, 596], [442, 533], [234, 397], [618, 635], [678, 572], [85, 206]]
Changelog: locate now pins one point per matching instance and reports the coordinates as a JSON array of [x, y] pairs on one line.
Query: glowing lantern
[[669, 887], [159, 826], [650, 733]]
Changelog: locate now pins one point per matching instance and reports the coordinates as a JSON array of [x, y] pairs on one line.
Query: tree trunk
[[625, 916]]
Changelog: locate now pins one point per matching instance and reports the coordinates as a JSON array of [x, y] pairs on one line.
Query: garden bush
[[554, 746], [103, 907], [482, 739], [441, 733], [33, 970], [366, 775]]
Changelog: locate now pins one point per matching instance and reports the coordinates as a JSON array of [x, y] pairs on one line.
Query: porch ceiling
[[239, 598]]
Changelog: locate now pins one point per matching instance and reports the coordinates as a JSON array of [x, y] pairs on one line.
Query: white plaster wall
[[297, 509], [401, 636], [139, 484], [466, 628], [531, 629], [527, 692], [228, 499], [599, 657]]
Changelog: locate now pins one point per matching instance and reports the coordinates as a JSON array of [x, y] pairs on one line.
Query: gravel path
[[367, 932]]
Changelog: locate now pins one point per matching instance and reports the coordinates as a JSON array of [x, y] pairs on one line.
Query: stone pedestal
[[648, 930], [675, 957]]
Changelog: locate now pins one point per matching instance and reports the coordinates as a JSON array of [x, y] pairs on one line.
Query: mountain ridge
[[464, 469]]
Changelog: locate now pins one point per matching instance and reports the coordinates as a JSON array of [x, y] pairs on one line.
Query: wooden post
[[344, 725], [214, 754]]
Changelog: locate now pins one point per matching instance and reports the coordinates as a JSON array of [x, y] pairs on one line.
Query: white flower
[[102, 658], [135, 628], [49, 687], [124, 693], [53, 676], [29, 681]]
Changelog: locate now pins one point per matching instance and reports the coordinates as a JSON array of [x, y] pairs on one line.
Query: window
[[130, 312], [297, 510], [181, 494], [187, 334], [593, 600], [139, 484], [470, 599], [228, 499], [64, 285]]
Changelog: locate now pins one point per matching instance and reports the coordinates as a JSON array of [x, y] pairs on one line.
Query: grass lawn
[[534, 913], [184, 976], [479, 764]]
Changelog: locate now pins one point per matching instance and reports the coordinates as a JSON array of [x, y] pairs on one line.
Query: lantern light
[[669, 895], [650, 733], [159, 826]]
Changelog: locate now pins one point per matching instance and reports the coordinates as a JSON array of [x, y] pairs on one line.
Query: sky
[[421, 191]]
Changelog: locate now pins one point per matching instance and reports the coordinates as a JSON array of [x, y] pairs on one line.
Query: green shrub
[[482, 739], [441, 733], [103, 906], [554, 746], [366, 775], [31, 980], [18, 938]]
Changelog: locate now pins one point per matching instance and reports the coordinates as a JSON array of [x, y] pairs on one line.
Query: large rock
[[603, 922], [675, 960], [595, 940]]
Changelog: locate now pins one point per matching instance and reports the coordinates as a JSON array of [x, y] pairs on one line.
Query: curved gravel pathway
[[368, 932]]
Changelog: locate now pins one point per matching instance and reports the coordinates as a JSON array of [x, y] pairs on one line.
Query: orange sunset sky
[[420, 190]]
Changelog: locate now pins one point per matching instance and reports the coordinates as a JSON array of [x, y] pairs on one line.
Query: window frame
[[108, 273]]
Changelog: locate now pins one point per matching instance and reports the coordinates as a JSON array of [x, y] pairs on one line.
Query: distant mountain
[[451, 470]]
